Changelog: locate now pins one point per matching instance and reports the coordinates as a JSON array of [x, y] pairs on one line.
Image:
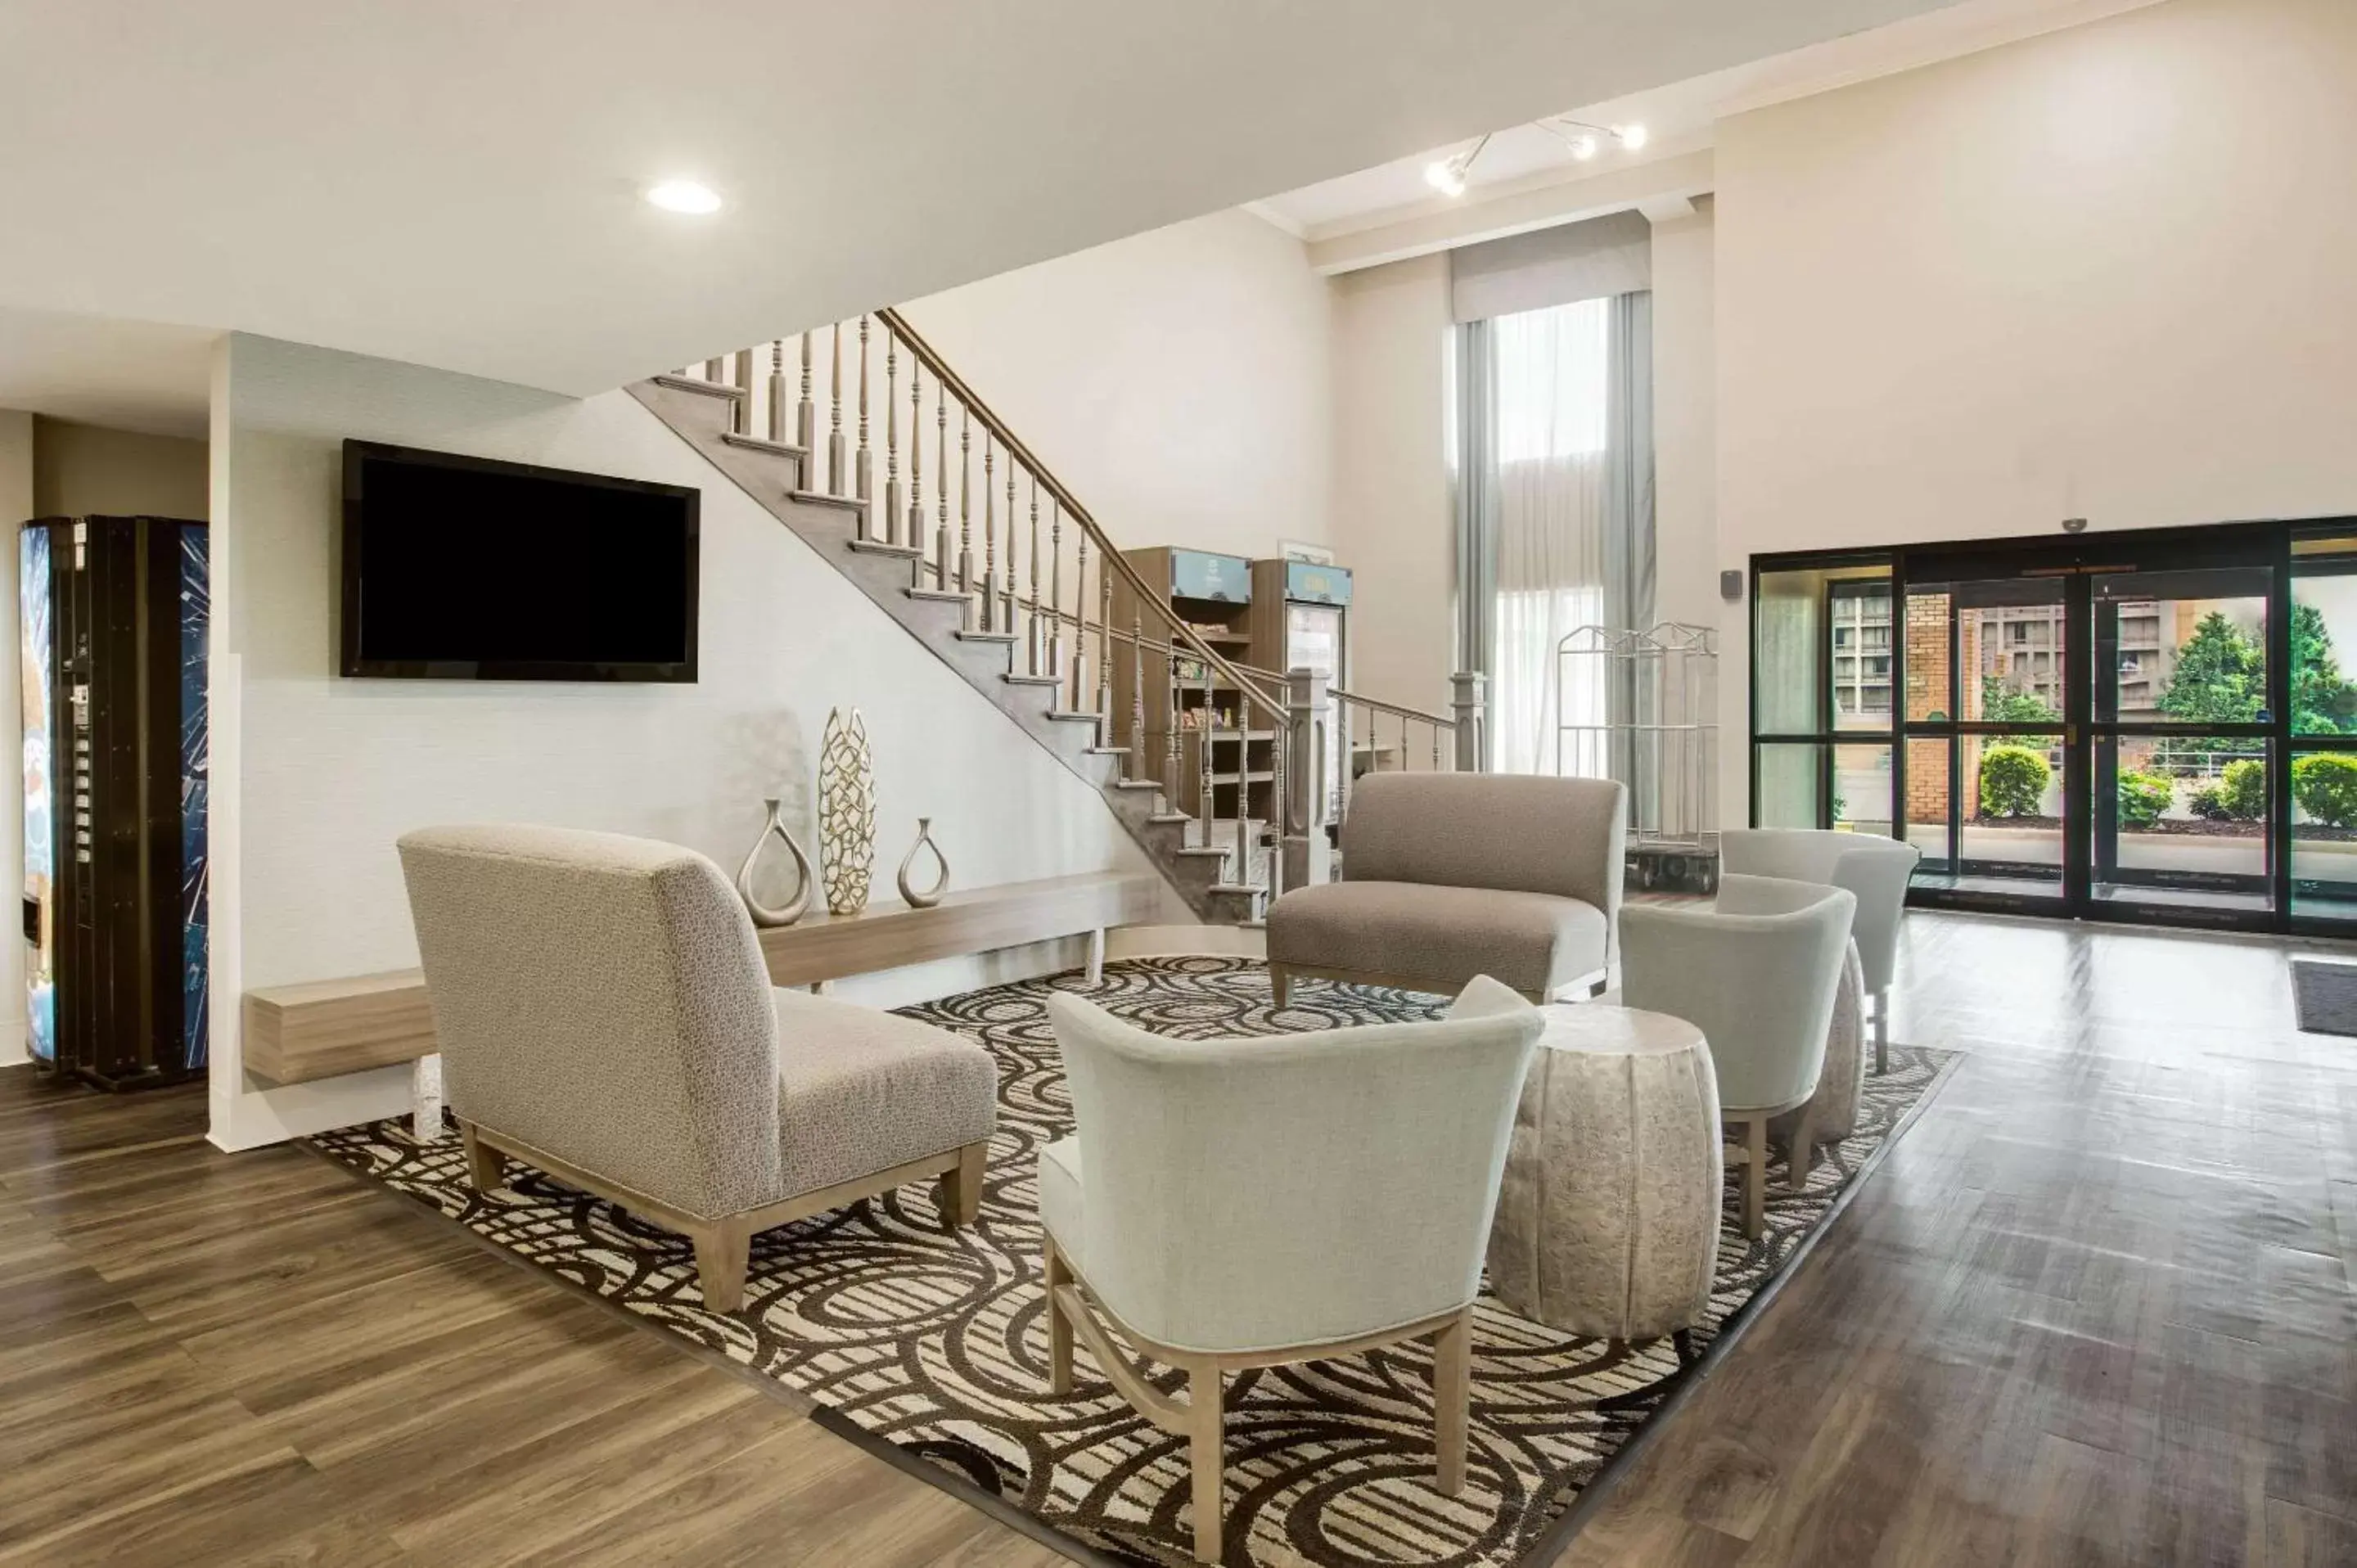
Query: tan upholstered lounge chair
[[605, 1015]]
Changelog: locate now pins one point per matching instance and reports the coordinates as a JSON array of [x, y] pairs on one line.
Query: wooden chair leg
[[1755, 1175], [1207, 1451], [960, 1193], [1059, 1327], [1279, 982], [1452, 1366], [722, 1253], [484, 1167], [1804, 1153]]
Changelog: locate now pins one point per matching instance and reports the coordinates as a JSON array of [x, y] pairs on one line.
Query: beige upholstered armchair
[[605, 1015], [1447, 876], [1231, 1203]]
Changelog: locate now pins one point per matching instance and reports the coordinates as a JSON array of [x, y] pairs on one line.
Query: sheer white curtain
[[1552, 369]]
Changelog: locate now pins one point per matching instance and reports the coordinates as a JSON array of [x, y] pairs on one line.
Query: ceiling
[[1679, 116], [458, 184]]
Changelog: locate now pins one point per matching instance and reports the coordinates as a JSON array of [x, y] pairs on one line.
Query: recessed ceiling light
[[684, 196], [1630, 136], [1442, 174], [1583, 146]]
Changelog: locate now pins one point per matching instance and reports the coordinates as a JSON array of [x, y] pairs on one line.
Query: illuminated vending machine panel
[[115, 612]]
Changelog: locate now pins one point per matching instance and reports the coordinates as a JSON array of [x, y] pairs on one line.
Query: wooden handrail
[[1110, 555]]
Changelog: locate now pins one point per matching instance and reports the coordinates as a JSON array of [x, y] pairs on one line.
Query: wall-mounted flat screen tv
[[465, 569]]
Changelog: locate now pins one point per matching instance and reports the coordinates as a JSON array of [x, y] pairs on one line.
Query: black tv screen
[[462, 568]]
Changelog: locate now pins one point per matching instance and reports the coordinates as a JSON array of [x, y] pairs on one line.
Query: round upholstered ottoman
[[1607, 1218], [1831, 1111]]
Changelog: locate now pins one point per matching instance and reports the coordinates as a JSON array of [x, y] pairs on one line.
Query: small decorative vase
[[846, 813], [927, 897], [763, 915]]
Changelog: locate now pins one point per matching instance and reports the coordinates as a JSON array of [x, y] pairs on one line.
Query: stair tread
[[1136, 784], [962, 635], [756, 444], [877, 547], [950, 596], [819, 498], [710, 388], [1012, 679]]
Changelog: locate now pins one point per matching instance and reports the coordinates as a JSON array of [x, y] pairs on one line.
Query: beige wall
[[1177, 381], [1686, 440], [2105, 273], [1392, 499], [86, 469]]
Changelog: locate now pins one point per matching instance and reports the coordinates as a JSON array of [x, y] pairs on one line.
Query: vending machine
[[1301, 621], [114, 615]]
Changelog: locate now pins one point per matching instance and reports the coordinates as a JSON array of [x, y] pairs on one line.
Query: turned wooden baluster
[[892, 430], [916, 539], [1281, 731], [1170, 747], [835, 409], [1205, 739], [1137, 693], [741, 407], [965, 499], [1081, 628], [1034, 633], [942, 486], [863, 476], [806, 422], [1243, 790], [1055, 650], [777, 424], [989, 537], [1104, 647], [1006, 583]]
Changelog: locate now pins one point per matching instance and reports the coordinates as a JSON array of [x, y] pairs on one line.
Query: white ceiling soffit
[[1528, 173], [458, 184], [132, 375]]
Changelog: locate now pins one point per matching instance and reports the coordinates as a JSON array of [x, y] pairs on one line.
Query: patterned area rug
[[936, 1342]]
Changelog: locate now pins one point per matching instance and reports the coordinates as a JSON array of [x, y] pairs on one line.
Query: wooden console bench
[[323, 1028]]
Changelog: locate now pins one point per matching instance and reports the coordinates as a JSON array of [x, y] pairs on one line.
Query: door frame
[[2079, 559]]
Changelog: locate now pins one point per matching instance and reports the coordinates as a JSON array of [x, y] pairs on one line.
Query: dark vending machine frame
[[121, 757]]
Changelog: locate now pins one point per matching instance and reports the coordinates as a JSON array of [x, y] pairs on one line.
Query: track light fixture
[[1447, 174]]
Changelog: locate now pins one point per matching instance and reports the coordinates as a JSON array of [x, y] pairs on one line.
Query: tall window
[[1553, 376]]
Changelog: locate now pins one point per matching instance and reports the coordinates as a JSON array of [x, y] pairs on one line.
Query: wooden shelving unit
[[1212, 594]]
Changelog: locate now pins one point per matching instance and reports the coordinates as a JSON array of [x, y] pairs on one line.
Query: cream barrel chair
[[1875, 870], [1756, 972], [1231, 1203], [1450, 875], [604, 1014]]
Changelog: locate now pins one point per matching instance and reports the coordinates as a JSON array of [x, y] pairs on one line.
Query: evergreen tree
[[2000, 704], [2220, 676], [2323, 702]]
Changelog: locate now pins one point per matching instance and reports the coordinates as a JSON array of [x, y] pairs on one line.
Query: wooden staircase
[[1043, 660]]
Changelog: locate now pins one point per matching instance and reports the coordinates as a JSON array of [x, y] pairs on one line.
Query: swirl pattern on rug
[[936, 1341]]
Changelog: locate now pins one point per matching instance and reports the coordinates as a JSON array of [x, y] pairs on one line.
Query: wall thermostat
[[1730, 585]]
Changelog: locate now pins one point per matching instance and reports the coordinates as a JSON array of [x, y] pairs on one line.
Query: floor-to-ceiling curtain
[[1551, 374]]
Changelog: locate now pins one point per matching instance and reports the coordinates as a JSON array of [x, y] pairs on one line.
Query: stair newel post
[[741, 407], [1206, 739], [1244, 789], [989, 536], [1435, 748], [1303, 850], [965, 499], [916, 539], [835, 409], [891, 429], [1279, 732], [1033, 631], [806, 422], [776, 427], [863, 462], [1055, 583], [1465, 702], [715, 369], [1345, 747]]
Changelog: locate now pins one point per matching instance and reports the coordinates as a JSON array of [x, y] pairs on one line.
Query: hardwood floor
[[2095, 1307]]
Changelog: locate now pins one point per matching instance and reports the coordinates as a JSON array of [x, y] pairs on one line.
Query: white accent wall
[[2105, 272], [315, 777]]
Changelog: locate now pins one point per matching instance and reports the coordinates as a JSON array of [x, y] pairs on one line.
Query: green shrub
[[2143, 797], [2209, 802], [2013, 782], [2325, 785], [2243, 789]]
